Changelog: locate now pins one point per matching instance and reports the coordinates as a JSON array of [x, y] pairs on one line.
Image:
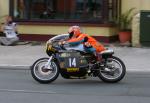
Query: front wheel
[[113, 71], [44, 74]]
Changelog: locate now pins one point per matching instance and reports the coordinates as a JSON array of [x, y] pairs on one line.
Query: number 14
[[72, 62]]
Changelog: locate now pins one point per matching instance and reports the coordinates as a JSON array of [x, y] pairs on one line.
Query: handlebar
[[55, 44]]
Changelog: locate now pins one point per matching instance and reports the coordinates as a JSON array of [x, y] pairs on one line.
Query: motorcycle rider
[[91, 45]]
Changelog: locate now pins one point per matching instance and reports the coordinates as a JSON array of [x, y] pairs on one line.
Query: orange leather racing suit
[[95, 45]]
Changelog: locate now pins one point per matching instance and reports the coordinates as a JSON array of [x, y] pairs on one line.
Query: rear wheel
[[45, 74], [113, 71]]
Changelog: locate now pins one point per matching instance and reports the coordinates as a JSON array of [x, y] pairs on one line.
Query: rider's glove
[[87, 44], [62, 42]]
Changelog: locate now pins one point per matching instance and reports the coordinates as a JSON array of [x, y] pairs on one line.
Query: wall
[[138, 4], [4, 10], [136, 30], [46, 30], [42, 33], [4, 7], [127, 4]]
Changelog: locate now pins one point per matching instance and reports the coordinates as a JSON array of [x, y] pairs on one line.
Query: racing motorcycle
[[72, 62]]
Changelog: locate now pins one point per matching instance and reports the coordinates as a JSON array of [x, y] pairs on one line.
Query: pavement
[[20, 56], [23, 56]]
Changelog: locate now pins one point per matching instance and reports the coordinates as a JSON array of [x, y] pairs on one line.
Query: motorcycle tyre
[[117, 79], [44, 81]]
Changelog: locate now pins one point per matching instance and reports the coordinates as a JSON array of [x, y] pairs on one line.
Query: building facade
[[41, 19]]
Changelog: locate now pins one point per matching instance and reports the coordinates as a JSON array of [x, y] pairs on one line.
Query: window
[[94, 11]]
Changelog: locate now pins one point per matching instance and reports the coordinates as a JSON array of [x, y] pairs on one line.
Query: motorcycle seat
[[108, 51]]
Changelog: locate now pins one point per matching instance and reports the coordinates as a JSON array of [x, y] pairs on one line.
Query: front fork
[[48, 64]]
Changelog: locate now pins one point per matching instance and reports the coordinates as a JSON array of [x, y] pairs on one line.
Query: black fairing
[[79, 69], [49, 53]]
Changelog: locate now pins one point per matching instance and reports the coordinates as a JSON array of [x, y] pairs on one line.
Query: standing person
[[10, 30]]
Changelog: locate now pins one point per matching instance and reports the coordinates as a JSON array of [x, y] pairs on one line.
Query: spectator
[[9, 30]]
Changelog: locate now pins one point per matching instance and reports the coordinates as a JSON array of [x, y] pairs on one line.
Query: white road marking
[[27, 91]]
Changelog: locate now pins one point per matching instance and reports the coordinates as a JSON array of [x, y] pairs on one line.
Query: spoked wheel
[[44, 74], [113, 71]]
